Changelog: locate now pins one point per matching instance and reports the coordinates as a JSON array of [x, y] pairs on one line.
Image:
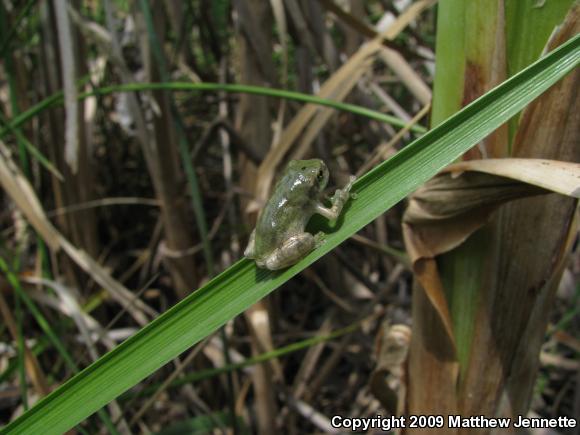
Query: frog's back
[[291, 204], [283, 214]]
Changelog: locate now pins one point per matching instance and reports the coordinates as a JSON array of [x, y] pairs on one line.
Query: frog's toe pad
[[319, 238]]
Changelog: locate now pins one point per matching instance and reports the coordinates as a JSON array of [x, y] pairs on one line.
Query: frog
[[279, 239]]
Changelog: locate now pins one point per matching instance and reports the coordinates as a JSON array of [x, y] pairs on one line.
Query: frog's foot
[[291, 251], [351, 181], [341, 196], [338, 200], [319, 239]]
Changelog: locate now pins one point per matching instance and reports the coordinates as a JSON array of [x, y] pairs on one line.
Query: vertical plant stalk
[[68, 71], [498, 286], [536, 234], [8, 58], [9, 36], [33, 368], [79, 228], [253, 121], [191, 176], [164, 168], [17, 84]]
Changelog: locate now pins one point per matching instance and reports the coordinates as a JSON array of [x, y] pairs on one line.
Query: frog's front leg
[[338, 201], [291, 251]]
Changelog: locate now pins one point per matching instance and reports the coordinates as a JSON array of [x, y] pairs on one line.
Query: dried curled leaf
[[448, 209], [460, 200]]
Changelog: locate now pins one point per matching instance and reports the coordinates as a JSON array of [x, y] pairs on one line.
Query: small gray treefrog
[[279, 239]]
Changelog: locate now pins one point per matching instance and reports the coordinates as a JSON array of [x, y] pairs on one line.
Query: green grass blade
[[20, 346], [448, 86], [31, 149], [10, 36], [44, 324], [240, 286], [187, 164], [57, 99], [529, 24]]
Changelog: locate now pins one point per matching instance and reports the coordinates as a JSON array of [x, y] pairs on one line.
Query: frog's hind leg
[[291, 251], [249, 251]]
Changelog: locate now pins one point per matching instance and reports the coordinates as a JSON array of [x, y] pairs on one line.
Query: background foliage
[[139, 141]]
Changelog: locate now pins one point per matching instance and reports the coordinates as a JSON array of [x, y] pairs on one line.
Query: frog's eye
[[320, 175]]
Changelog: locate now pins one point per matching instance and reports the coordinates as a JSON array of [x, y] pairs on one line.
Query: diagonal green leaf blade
[[241, 285]]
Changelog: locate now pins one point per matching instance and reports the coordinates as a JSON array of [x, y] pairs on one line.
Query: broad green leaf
[[529, 24], [472, 38], [450, 51], [467, 40], [240, 286]]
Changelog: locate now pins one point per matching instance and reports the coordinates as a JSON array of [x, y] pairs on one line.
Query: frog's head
[[314, 172]]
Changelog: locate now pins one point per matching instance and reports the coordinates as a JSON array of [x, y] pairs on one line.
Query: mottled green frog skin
[[279, 239]]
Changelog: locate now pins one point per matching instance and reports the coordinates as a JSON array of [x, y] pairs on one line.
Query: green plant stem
[[21, 356]]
